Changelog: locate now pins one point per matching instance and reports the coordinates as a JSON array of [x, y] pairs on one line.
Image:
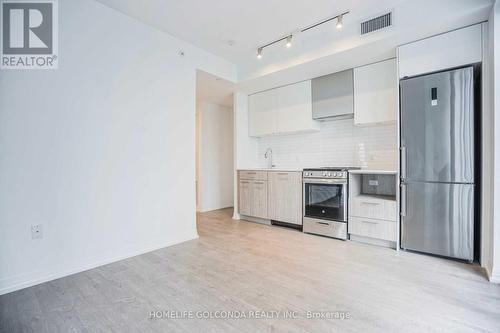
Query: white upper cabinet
[[295, 108], [282, 110], [375, 93], [448, 50], [262, 116]]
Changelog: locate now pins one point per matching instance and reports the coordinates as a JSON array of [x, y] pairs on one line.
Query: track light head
[[259, 53], [289, 41], [339, 22]]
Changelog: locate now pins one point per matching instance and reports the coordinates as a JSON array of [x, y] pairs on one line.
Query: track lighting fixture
[[339, 22], [289, 38]]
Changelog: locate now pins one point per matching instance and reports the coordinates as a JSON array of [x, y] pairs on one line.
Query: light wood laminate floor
[[242, 266]]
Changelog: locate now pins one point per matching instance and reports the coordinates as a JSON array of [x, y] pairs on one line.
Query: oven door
[[325, 199]]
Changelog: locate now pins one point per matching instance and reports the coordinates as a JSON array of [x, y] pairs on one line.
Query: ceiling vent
[[377, 23]]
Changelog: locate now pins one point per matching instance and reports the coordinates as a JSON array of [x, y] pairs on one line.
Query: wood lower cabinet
[[258, 203], [285, 197], [273, 195], [245, 197], [252, 193]]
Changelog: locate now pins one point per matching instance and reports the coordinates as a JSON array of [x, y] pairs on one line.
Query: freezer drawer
[[438, 219]]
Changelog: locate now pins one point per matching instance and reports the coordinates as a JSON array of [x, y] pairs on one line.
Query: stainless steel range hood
[[332, 96]]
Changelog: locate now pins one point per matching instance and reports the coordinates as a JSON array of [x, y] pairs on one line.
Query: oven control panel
[[329, 174]]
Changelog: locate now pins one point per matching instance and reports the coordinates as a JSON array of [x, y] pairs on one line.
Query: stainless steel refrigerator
[[437, 163]]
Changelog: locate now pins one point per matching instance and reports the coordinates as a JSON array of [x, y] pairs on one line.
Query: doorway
[[214, 142]]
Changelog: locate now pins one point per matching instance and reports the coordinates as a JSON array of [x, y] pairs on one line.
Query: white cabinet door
[[295, 108], [456, 48], [282, 110], [285, 196], [262, 113], [375, 93]]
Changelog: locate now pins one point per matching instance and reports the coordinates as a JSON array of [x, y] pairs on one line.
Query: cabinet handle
[[403, 199], [403, 161], [370, 203], [244, 182], [251, 173], [325, 224], [258, 182], [283, 173]]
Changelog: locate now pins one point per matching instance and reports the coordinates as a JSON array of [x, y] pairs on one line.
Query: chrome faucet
[[269, 156]]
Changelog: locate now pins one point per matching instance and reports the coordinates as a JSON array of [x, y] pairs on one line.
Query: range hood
[[332, 96]]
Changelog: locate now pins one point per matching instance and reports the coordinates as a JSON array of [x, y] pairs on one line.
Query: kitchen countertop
[[371, 171], [273, 169], [292, 169]]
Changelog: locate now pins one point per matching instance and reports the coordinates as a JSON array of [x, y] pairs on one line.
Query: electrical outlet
[[36, 231]]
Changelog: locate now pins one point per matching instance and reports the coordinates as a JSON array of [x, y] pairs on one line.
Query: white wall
[[215, 166], [339, 143], [490, 229], [101, 152], [495, 20], [488, 151], [245, 147]]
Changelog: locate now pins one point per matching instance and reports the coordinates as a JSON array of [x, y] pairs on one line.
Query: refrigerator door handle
[[403, 199], [403, 161]]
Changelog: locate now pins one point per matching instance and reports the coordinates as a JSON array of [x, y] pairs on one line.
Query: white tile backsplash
[[339, 143]]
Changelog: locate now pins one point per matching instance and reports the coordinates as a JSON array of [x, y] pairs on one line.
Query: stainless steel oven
[[325, 202]]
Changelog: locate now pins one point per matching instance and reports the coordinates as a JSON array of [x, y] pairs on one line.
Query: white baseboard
[[13, 283], [494, 276], [211, 209]]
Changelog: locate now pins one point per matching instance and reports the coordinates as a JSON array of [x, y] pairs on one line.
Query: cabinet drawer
[[374, 208], [325, 228], [366, 227], [253, 175]]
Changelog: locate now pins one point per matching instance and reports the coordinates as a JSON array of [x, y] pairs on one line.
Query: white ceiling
[[212, 89], [210, 25]]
